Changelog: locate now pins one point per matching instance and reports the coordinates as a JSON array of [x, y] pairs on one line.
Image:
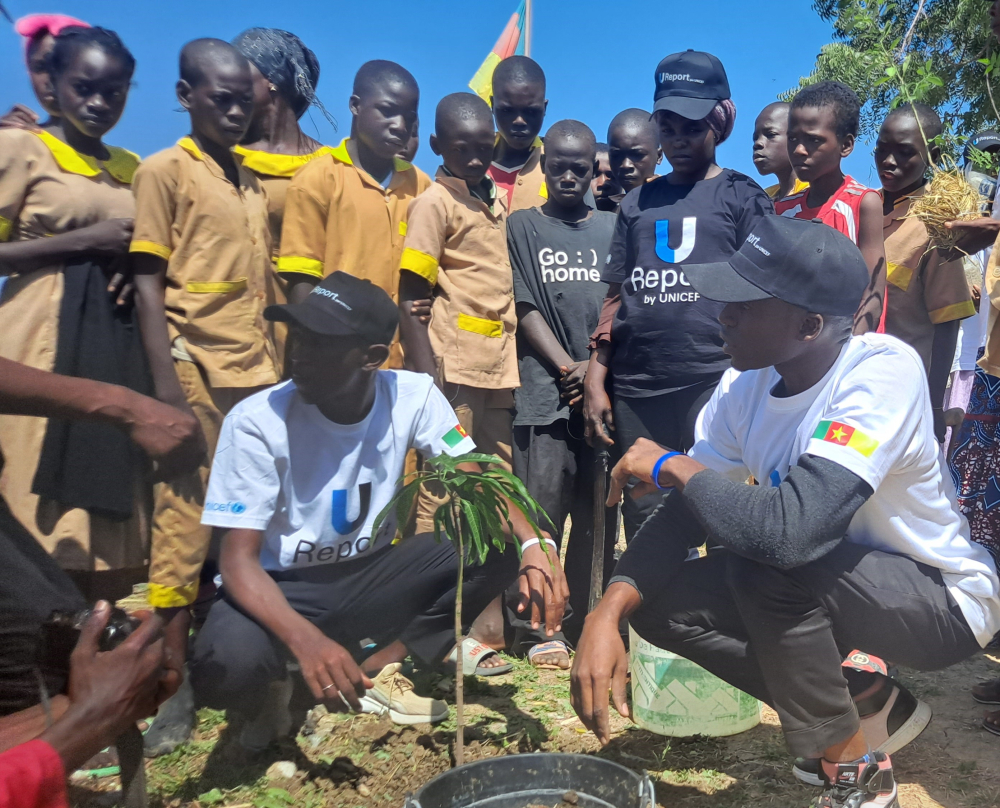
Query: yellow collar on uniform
[[277, 165], [536, 145], [121, 164], [341, 154], [187, 143]]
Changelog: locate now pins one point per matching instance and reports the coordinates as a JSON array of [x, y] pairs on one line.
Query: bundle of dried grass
[[947, 197]]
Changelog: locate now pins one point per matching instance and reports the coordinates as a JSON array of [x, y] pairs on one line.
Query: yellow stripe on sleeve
[[170, 597], [899, 275], [420, 263], [956, 311], [150, 247], [6, 228], [300, 265]]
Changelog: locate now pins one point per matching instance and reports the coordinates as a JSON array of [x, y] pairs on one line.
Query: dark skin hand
[[598, 415], [601, 662], [110, 691]]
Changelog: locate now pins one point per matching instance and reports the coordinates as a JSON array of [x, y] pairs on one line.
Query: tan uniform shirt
[[47, 188], [337, 217], [529, 189], [923, 290], [217, 245], [459, 244], [275, 172]]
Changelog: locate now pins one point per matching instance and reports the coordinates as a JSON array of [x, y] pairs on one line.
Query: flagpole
[[527, 27]]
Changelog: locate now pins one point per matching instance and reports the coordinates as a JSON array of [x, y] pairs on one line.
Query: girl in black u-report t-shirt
[[664, 352]]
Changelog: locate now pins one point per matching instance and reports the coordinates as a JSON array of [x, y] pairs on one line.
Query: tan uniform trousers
[[180, 541], [488, 417]]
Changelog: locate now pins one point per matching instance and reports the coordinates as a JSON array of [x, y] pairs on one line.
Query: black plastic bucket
[[517, 781]]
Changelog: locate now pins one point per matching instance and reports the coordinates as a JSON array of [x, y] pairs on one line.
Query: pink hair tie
[[34, 26]]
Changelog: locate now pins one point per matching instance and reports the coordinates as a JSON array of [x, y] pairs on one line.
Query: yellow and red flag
[[844, 435], [512, 42]]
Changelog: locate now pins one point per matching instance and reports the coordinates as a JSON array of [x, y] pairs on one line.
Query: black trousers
[[781, 635], [667, 419], [402, 592], [557, 467], [32, 585]]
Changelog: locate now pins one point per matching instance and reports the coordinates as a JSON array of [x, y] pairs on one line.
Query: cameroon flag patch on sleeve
[[455, 436], [844, 435]]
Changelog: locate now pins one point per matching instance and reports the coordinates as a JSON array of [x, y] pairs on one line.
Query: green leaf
[[211, 797]]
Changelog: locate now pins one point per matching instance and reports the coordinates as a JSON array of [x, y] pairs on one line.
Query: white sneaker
[[393, 694], [272, 722]]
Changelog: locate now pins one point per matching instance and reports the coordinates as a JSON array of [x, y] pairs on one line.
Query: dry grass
[[948, 197]]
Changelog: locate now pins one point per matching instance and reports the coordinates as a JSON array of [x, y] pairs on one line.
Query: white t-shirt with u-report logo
[[314, 487]]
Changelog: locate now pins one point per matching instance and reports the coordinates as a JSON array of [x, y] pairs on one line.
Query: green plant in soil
[[474, 516]]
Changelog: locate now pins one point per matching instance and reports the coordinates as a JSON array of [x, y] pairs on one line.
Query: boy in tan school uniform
[[201, 254], [347, 210], [519, 105], [456, 252]]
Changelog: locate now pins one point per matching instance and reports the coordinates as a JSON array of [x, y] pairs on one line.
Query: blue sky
[[598, 57]]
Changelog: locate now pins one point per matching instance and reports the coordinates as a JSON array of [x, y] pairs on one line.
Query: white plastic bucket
[[673, 696]]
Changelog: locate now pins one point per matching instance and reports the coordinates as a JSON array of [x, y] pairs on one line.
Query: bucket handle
[[647, 793], [411, 801]]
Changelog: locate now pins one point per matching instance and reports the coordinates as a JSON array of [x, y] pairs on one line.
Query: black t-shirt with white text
[[665, 336], [557, 269]]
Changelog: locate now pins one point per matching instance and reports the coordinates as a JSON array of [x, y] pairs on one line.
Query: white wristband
[[536, 540]]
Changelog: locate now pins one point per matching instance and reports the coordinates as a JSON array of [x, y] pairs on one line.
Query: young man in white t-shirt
[[852, 538], [301, 472]]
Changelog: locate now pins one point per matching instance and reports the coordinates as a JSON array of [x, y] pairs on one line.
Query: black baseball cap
[[342, 305], [690, 83], [800, 261], [984, 141]]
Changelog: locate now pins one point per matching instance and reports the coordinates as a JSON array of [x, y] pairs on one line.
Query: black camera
[[61, 631]]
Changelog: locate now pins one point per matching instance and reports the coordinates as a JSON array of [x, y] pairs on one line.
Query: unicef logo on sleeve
[[226, 507]]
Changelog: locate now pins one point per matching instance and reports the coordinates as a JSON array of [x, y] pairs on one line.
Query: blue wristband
[[658, 466]]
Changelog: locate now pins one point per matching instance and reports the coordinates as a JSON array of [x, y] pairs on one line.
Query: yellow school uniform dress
[[275, 172], [47, 188], [923, 289], [217, 245], [339, 218]]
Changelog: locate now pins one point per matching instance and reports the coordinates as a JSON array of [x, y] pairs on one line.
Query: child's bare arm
[[942, 357], [150, 273], [412, 330], [872, 247]]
